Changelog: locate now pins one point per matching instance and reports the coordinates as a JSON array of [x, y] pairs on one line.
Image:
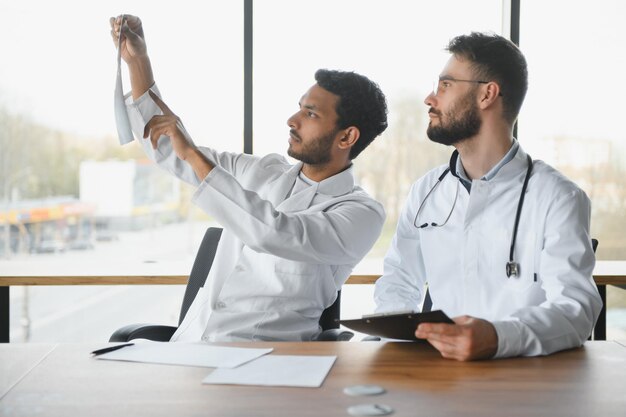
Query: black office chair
[[599, 330], [199, 272]]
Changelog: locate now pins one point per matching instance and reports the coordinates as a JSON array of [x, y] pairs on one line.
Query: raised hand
[[133, 40], [169, 125]]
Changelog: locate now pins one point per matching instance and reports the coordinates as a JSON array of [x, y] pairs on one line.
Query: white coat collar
[[514, 168], [339, 184]]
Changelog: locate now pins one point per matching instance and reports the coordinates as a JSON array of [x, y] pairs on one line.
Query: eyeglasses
[[440, 83]]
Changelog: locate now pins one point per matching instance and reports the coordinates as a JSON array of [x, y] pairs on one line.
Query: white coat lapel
[[300, 201], [334, 186], [282, 185]]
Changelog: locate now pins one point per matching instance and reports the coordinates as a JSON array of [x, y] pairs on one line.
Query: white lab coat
[[551, 306], [280, 261]]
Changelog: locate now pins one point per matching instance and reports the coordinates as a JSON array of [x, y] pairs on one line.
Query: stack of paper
[[188, 354], [239, 366], [276, 370]]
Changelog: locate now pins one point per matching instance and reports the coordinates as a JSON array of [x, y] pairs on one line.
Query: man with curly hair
[[292, 233]]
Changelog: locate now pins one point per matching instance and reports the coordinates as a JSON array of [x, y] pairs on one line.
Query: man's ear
[[349, 137], [488, 95]]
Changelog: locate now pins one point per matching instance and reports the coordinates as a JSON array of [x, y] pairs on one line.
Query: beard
[[316, 151], [461, 122]]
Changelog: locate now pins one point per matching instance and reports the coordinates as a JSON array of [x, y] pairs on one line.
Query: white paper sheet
[[188, 354], [276, 370]]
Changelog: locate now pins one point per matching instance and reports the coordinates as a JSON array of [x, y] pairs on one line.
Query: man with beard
[[292, 233], [501, 241]]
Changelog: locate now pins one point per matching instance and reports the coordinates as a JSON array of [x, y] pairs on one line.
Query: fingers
[[118, 26], [132, 21], [447, 350], [462, 319], [148, 129], [115, 23], [159, 126], [449, 341], [115, 29], [469, 338], [166, 110], [127, 24], [426, 329], [449, 336]]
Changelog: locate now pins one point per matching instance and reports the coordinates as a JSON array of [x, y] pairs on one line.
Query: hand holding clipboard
[[400, 326]]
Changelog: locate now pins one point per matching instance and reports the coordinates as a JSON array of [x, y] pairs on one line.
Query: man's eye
[[445, 84], [311, 114]]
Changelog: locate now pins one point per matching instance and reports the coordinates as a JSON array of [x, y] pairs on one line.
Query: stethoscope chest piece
[[512, 269]]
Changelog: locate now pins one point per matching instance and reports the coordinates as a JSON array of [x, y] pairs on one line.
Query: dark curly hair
[[361, 104], [495, 58]]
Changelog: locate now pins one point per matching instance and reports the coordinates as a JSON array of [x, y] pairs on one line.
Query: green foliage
[[41, 162], [394, 161]]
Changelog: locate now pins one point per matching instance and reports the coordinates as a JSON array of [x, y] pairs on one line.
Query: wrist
[[199, 163]]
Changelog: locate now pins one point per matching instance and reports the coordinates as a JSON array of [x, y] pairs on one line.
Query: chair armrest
[[154, 332], [334, 335]]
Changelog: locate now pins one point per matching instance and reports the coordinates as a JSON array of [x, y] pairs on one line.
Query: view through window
[[571, 117], [69, 193], [399, 45]]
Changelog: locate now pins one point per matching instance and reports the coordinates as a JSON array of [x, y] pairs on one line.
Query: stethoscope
[[512, 267]]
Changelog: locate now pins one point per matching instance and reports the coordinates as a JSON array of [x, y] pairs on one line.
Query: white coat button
[[219, 305]]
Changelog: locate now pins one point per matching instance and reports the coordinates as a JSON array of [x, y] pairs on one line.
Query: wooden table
[[173, 273], [581, 382]]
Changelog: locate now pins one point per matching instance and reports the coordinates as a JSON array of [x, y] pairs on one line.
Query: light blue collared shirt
[[467, 183]]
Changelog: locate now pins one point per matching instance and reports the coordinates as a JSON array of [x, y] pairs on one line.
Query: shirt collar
[[460, 171]]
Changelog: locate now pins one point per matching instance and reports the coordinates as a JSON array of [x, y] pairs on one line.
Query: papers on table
[[188, 354], [235, 366], [276, 370]]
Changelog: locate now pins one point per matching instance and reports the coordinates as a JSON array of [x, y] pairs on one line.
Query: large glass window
[[69, 193], [398, 44], [571, 117]]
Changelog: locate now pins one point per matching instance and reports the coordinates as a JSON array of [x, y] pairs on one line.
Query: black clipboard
[[395, 326]]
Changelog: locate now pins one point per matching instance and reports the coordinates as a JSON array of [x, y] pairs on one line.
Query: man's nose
[[292, 121], [430, 99]]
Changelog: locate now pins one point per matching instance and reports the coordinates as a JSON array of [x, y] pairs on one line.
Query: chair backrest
[[428, 302], [201, 267], [330, 317], [200, 271]]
